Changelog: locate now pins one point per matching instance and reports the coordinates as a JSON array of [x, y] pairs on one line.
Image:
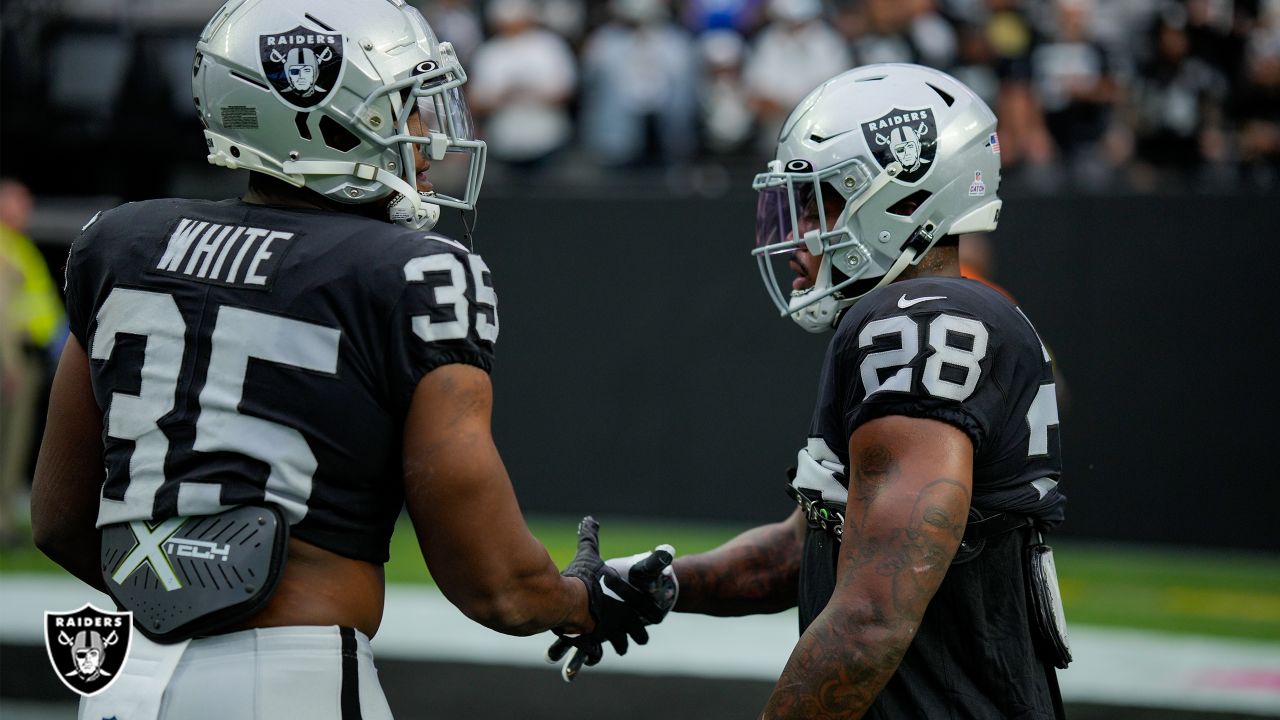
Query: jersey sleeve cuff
[[473, 358], [954, 415]]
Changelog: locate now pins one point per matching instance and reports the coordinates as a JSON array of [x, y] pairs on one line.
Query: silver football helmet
[[873, 167], [338, 96]]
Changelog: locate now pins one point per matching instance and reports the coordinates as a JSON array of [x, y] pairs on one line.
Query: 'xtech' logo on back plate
[[88, 647], [908, 136], [303, 66]]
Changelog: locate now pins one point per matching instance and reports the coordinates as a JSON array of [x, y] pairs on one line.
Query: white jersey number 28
[[942, 332], [941, 329]]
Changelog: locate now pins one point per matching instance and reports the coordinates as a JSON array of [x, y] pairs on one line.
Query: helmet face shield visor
[[446, 112], [434, 132], [799, 218], [775, 218], [442, 133]]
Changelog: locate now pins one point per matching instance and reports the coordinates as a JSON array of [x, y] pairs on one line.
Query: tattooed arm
[[756, 572], [909, 491]]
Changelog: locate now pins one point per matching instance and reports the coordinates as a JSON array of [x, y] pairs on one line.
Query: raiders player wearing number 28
[[932, 463], [255, 388]]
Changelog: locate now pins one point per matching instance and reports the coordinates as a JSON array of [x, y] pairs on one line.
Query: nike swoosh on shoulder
[[904, 303]]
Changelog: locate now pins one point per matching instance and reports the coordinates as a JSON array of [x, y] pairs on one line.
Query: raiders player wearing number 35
[[932, 462], [255, 388]]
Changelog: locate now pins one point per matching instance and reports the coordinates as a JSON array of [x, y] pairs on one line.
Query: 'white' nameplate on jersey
[[234, 255]]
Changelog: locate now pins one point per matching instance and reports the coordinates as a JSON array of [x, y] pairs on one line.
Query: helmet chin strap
[[409, 207], [820, 314], [817, 314], [414, 210]]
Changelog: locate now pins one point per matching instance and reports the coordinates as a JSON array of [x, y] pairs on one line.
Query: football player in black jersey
[[255, 388], [931, 466]]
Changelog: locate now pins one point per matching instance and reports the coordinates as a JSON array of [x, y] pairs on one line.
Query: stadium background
[[643, 375]]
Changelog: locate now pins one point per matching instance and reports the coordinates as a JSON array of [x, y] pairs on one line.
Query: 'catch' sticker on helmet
[[303, 66], [908, 136]]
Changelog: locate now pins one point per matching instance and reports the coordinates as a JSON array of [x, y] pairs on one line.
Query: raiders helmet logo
[[88, 647], [303, 66], [908, 136]]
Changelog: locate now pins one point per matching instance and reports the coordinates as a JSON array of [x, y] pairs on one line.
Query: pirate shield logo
[[88, 647], [908, 136], [303, 66]]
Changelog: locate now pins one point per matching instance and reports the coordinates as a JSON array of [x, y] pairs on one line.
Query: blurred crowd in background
[[1146, 95], [1087, 91]]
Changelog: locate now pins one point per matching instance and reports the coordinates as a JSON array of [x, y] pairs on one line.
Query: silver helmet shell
[[320, 93], [913, 155]]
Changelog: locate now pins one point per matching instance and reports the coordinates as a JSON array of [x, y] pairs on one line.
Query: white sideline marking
[[1112, 666]]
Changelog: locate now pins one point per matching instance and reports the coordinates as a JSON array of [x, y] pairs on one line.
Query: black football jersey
[[953, 350], [244, 354]]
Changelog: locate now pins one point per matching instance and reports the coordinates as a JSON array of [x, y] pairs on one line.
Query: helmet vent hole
[[909, 204], [817, 138], [249, 80], [336, 136], [300, 120], [946, 97], [873, 78], [313, 19]]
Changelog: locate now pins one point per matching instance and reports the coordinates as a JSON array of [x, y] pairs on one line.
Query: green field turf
[[1190, 591]]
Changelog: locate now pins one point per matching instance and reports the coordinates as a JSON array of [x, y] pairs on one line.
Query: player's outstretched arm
[[756, 572], [69, 472], [909, 492], [464, 510]]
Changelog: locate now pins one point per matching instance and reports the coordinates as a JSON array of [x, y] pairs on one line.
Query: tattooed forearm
[[916, 557], [756, 572], [837, 669], [901, 532]]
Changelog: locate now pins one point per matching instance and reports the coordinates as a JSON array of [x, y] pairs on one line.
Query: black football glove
[[621, 608], [589, 567]]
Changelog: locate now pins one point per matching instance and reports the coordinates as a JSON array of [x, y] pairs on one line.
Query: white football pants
[[319, 673]]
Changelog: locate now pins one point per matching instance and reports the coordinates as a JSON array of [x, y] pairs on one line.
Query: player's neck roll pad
[[198, 575]]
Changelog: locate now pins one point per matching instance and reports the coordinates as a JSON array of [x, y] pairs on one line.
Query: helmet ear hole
[[300, 121], [909, 204], [336, 136]]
